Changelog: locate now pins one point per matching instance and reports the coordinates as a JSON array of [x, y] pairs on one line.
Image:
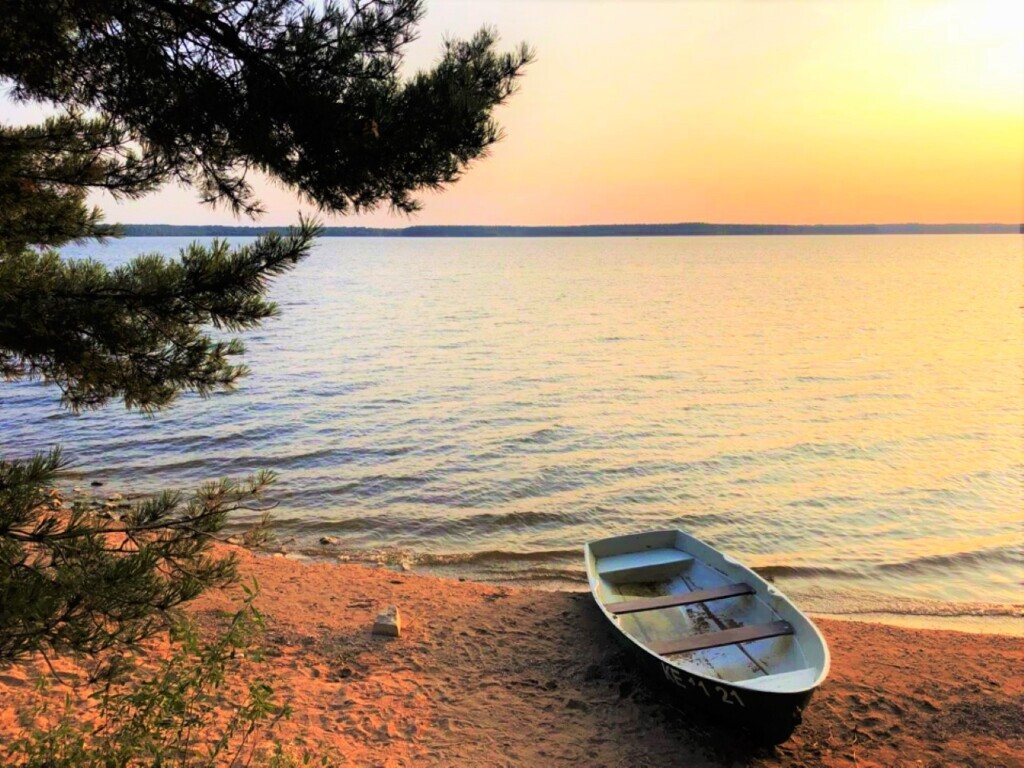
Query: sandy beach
[[495, 676]]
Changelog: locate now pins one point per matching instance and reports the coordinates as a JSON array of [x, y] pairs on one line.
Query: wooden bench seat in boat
[[685, 598], [649, 565], [725, 637]]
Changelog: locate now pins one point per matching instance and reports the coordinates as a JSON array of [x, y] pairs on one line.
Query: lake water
[[844, 413]]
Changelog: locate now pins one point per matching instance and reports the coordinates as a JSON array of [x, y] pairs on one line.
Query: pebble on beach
[[388, 623]]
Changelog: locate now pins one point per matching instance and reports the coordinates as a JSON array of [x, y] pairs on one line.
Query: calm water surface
[[844, 413]]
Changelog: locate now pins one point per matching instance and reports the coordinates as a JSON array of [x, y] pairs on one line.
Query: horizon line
[[694, 228]]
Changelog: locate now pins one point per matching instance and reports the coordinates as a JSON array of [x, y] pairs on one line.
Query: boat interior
[[705, 613]]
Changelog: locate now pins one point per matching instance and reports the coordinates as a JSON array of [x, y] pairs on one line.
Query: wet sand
[[495, 676]]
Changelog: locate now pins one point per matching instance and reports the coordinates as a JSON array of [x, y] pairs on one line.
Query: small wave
[[823, 502], [827, 450], [336, 389], [487, 565], [774, 571], [944, 610], [855, 602], [1000, 555], [824, 379], [330, 457], [210, 467], [432, 527], [497, 556], [502, 520], [367, 487], [543, 436], [658, 376], [868, 396], [215, 467], [557, 576]]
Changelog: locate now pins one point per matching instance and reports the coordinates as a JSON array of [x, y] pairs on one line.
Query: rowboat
[[709, 629]]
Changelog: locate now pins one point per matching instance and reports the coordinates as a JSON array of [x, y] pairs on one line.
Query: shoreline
[[1004, 619], [500, 675], [817, 598], [996, 626]]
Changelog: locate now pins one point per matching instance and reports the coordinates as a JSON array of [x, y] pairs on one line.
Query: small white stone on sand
[[389, 622]]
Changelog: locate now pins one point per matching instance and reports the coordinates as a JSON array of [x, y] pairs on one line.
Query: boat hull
[[770, 717]]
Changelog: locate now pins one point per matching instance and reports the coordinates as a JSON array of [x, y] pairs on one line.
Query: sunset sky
[[787, 112]]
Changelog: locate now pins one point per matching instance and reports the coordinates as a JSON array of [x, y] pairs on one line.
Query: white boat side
[[672, 562]]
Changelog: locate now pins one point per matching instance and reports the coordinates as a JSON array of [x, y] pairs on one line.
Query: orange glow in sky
[[788, 112]]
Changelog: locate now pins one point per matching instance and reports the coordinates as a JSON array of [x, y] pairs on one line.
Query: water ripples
[[842, 413]]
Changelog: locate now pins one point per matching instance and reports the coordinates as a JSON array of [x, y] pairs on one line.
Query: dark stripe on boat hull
[[769, 716]]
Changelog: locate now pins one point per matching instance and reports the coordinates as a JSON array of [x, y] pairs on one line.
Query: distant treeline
[[589, 230]]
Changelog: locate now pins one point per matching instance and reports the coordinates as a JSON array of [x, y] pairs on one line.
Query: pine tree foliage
[[45, 171], [311, 94], [76, 582], [200, 92], [136, 332]]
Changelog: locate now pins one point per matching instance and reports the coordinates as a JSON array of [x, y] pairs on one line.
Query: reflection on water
[[843, 412]]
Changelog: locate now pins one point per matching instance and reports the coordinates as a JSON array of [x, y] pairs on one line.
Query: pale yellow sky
[[788, 112]]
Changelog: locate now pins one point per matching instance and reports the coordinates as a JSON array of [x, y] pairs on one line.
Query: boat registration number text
[[712, 691]]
